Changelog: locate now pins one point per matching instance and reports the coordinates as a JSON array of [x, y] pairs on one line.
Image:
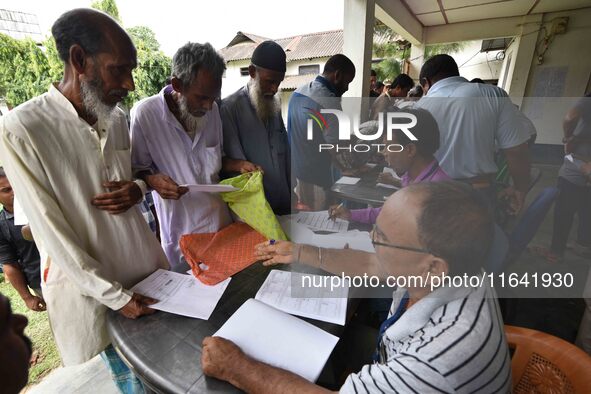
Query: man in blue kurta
[[254, 132]]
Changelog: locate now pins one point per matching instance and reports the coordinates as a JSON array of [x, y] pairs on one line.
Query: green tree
[[153, 65], [108, 7], [436, 49], [144, 38], [24, 70]]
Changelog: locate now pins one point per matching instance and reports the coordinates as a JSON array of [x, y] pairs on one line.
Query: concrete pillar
[[417, 58], [359, 20], [522, 58]]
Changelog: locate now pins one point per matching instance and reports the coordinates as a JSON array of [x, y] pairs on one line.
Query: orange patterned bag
[[224, 253]]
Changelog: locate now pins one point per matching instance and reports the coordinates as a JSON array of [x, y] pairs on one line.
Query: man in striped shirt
[[449, 340]]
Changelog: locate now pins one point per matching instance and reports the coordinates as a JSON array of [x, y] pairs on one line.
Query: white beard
[[193, 124], [264, 107], [91, 93]]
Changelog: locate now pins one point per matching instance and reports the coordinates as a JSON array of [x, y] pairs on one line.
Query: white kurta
[[56, 163]]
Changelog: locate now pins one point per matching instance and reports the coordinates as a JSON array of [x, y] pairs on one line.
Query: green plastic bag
[[250, 204]]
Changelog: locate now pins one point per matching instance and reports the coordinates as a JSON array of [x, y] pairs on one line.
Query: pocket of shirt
[[213, 163]]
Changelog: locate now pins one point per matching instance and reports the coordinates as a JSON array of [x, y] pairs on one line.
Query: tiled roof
[[305, 46], [292, 82]]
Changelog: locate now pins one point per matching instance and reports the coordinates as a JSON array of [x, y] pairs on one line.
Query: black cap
[[269, 55]]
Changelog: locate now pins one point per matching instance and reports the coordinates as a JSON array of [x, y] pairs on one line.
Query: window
[[244, 71], [309, 69]]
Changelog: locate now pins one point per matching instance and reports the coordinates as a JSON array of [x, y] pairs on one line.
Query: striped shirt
[[451, 341]]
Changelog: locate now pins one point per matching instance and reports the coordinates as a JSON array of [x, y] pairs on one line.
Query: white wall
[[484, 65], [232, 80], [569, 53]]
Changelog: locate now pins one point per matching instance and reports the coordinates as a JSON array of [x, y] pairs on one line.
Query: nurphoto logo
[[393, 121]]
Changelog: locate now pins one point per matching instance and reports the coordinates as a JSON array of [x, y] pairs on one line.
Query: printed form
[[181, 294], [319, 303], [320, 221]]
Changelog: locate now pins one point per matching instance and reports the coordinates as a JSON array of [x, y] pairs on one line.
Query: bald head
[[450, 220], [94, 31]]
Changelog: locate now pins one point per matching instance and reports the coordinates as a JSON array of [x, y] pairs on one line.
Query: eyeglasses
[[401, 247]]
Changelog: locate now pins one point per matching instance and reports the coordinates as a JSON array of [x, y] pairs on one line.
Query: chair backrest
[[542, 363], [531, 220], [498, 251]]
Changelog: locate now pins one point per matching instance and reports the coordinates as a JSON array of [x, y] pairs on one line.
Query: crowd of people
[[80, 169]]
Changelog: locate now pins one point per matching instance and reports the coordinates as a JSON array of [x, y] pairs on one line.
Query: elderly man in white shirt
[[177, 140], [67, 156], [474, 120]]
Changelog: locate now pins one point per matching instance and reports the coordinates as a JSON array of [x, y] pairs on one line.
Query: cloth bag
[[250, 204], [214, 257]]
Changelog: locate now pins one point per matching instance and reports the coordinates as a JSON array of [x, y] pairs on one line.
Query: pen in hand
[[332, 213]]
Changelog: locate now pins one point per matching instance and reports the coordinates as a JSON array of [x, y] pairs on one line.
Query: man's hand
[[221, 358], [279, 253], [165, 186], [241, 166], [514, 200], [388, 179], [35, 303], [138, 306], [125, 195], [339, 211]]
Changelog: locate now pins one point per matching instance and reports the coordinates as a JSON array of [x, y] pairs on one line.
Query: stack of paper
[[210, 188], [319, 303], [181, 294], [299, 233], [320, 221], [393, 173], [347, 180], [278, 339]]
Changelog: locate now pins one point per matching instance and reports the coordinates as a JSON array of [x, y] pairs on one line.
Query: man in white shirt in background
[[474, 120], [67, 156], [177, 140]]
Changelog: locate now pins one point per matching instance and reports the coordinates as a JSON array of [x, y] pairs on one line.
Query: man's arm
[[336, 261], [234, 160], [17, 279], [142, 165], [224, 360]]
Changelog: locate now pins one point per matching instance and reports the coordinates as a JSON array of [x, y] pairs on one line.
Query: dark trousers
[[573, 199]]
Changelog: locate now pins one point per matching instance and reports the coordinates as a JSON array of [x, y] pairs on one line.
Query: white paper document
[[210, 188], [393, 173], [347, 180], [181, 294], [299, 233], [277, 292], [278, 339], [320, 221]]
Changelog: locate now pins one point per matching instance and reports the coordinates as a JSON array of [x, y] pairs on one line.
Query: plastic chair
[[542, 363], [531, 220]]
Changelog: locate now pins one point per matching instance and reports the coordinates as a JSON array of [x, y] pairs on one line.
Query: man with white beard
[[254, 131], [66, 154], [176, 138]]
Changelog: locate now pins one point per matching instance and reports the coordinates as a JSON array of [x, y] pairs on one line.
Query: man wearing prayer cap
[[254, 133]]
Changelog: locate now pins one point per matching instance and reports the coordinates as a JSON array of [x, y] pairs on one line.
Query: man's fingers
[[145, 300], [113, 184], [111, 195]]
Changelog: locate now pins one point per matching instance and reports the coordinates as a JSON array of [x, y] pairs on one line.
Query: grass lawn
[[39, 332]]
